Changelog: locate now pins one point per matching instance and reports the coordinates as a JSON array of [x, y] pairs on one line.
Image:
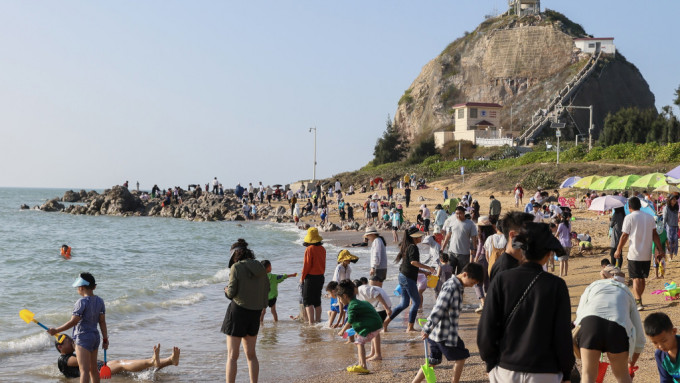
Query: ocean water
[[162, 280]]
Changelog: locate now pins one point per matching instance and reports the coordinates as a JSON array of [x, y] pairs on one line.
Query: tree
[[677, 97], [423, 150], [641, 126], [390, 147]]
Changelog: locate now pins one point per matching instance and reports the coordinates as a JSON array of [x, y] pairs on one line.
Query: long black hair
[[406, 241], [672, 207]]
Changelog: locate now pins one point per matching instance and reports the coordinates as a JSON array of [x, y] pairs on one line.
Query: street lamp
[[314, 169], [558, 133]]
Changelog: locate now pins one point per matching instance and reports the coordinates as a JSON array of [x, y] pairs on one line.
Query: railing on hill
[[545, 116]]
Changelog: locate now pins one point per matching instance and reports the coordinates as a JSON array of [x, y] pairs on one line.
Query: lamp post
[[557, 126], [314, 168], [590, 125]]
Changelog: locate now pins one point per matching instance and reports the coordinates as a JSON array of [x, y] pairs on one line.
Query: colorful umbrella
[[623, 183], [584, 183], [667, 189], [675, 173], [569, 182], [649, 181], [607, 202], [603, 182], [646, 208]]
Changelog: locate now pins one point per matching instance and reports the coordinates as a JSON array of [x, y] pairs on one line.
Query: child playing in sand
[[664, 336], [441, 329], [274, 280], [69, 366], [365, 321], [331, 289], [88, 312], [659, 264]]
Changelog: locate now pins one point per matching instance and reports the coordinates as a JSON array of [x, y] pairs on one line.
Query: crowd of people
[[525, 330]]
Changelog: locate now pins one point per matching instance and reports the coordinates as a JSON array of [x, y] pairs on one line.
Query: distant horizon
[[174, 93]]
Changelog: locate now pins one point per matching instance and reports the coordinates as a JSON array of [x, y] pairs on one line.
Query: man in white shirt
[[374, 210], [338, 186], [537, 212], [426, 218], [555, 211], [640, 228], [461, 236], [215, 183]]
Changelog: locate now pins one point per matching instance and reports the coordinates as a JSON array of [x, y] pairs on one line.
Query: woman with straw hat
[[378, 271], [311, 278]]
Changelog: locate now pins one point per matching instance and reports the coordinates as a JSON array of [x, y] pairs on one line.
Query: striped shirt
[[442, 324]]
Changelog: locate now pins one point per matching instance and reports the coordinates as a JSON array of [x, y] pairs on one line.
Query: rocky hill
[[518, 62]]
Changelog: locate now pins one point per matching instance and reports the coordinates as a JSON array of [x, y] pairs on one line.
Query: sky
[[93, 93]]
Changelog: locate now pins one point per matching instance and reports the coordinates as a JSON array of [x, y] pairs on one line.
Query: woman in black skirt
[[248, 290]]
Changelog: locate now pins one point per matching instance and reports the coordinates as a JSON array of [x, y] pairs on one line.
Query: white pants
[[501, 375]]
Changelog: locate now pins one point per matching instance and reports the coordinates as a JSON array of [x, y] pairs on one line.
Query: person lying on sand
[[68, 363]]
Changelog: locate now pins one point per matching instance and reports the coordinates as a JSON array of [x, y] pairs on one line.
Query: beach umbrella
[[584, 183], [671, 180], [667, 189], [377, 180], [569, 182], [603, 182], [675, 173], [646, 208], [649, 181], [607, 202], [450, 204], [623, 183]]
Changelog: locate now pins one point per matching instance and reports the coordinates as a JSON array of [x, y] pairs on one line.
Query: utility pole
[[558, 133], [314, 171]]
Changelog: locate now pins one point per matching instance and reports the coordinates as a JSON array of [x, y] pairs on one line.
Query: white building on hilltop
[[594, 45], [525, 7]]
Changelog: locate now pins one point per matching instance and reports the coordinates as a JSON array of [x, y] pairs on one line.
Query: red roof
[[595, 38], [478, 104], [484, 123]]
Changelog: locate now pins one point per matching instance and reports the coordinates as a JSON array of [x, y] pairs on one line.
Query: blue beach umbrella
[[646, 208], [569, 182], [675, 173]]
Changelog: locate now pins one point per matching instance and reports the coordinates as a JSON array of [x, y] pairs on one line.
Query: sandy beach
[[403, 353]]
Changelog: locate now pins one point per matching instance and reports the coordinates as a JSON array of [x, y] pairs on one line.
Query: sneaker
[[479, 309], [639, 305], [358, 369]]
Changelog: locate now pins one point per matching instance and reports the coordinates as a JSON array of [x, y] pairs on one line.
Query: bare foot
[[374, 358], [156, 359], [348, 342], [175, 356]]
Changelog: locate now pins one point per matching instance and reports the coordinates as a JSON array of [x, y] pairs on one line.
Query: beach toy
[[397, 291], [105, 371], [670, 291], [631, 371], [432, 281], [428, 371], [27, 316], [601, 370], [349, 332]]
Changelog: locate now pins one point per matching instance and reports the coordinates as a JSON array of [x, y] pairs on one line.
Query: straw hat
[[414, 232], [345, 255], [313, 235], [371, 230], [483, 221]]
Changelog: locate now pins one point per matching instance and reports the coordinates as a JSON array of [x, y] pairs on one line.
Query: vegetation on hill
[[641, 126]]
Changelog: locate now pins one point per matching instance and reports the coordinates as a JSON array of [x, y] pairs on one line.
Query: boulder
[[70, 196], [52, 205], [24, 207], [119, 200], [281, 210]]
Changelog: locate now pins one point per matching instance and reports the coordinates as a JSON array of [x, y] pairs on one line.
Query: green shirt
[[363, 317], [274, 280], [663, 238]]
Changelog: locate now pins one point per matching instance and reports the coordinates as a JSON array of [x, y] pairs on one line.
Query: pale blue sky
[[94, 93]]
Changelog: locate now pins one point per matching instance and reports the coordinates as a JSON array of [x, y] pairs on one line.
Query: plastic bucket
[[432, 281]]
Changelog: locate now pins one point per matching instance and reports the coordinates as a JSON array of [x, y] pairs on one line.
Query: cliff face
[[518, 63]]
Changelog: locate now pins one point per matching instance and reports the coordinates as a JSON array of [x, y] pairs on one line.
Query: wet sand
[[403, 353]]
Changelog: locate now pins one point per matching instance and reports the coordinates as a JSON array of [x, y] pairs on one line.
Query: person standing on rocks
[[215, 185], [250, 192], [640, 228]]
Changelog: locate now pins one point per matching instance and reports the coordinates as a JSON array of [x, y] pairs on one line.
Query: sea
[[162, 280]]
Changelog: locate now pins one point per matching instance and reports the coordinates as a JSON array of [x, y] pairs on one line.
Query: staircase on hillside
[[543, 117]]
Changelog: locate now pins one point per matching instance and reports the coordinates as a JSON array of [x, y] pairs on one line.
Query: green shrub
[[573, 154], [668, 153], [432, 159], [595, 154], [406, 97], [539, 178]]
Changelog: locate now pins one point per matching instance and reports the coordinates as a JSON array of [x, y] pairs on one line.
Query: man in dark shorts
[[640, 228], [68, 363]]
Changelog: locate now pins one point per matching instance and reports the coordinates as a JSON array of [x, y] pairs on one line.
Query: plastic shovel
[[350, 332], [105, 371], [601, 370], [428, 371], [27, 316]]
